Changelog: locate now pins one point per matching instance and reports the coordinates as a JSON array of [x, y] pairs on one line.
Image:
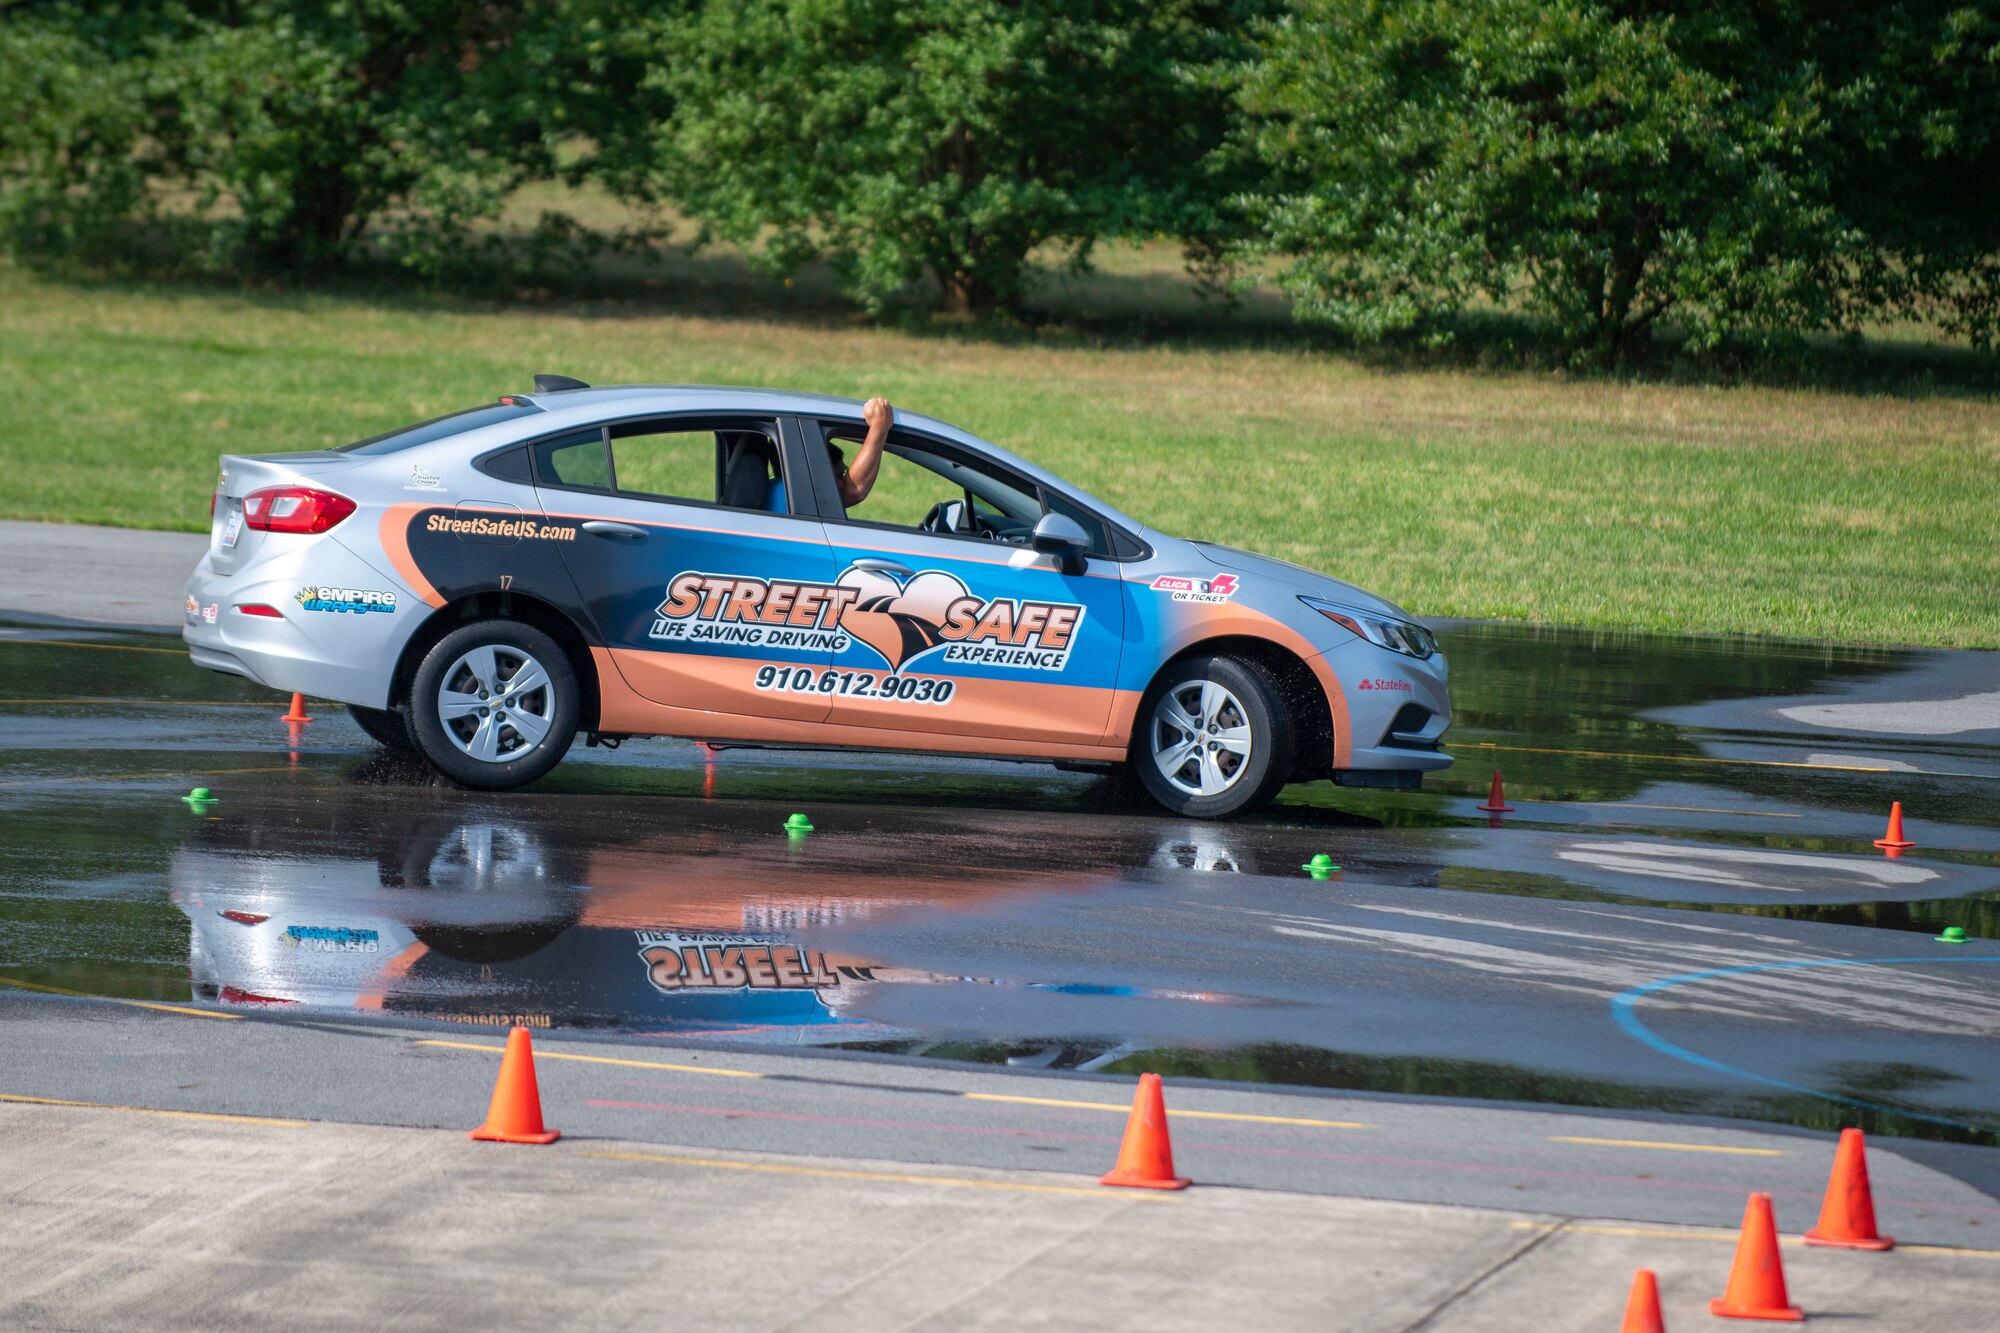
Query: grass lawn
[[1457, 493]]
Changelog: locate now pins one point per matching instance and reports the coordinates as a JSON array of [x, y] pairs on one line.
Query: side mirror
[[1063, 537]]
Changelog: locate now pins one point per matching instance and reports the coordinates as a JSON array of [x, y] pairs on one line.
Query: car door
[[702, 604], [971, 632]]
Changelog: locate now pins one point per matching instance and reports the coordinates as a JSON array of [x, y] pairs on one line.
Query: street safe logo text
[[897, 620]]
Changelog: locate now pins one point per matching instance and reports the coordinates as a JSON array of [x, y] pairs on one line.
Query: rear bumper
[[344, 657]]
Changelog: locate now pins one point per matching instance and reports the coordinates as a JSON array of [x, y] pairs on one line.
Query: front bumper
[[1398, 710]]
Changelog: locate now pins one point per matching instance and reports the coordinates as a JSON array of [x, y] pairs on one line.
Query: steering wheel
[[945, 516]]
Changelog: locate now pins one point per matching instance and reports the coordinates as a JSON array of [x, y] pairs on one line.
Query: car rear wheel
[[1213, 738], [494, 704], [384, 726]]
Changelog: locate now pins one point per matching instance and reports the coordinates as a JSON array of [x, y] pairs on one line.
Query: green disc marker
[[1952, 935], [798, 824], [198, 800], [1320, 866]]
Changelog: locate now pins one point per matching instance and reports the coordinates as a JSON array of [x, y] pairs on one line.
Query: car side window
[[725, 462], [932, 489], [578, 460], [916, 478], [739, 466]]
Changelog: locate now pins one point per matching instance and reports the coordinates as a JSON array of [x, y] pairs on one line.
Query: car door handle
[[618, 532], [884, 567]]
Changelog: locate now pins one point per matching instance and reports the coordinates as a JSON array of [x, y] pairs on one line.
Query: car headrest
[[748, 476]]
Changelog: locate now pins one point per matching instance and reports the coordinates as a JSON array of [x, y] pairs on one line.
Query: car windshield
[[439, 427]]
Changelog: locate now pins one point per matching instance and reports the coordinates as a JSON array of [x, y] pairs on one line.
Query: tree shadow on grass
[[1095, 310]]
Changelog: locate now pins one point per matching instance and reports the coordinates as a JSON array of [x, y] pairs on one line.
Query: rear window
[[439, 427]]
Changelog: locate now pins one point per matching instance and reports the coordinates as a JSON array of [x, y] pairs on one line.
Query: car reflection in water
[[494, 921]]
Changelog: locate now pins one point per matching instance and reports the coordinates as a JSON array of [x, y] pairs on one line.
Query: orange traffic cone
[[1146, 1158], [1847, 1218], [1642, 1307], [298, 713], [1756, 1287], [1894, 840], [1497, 800], [516, 1113]]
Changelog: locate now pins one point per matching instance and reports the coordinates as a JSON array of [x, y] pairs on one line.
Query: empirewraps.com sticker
[[332, 939], [358, 600]]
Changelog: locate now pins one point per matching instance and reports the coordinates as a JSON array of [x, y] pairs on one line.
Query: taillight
[[294, 509]]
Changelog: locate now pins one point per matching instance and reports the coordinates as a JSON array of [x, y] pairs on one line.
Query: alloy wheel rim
[[1201, 739], [496, 703]]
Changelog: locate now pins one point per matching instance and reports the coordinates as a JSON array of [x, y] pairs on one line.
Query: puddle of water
[[651, 891]]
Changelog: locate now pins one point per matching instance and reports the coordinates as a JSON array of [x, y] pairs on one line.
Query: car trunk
[[232, 543]]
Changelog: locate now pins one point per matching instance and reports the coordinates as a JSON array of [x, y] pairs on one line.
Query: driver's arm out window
[[903, 492]]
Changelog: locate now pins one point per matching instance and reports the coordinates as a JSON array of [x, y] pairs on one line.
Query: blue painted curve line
[[1624, 1010]]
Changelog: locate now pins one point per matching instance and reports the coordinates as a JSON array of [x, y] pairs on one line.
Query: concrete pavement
[[115, 1220], [72, 574]]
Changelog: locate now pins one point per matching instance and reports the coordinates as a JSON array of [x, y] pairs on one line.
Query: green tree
[[1915, 128], [303, 128], [948, 139], [73, 116], [1739, 166]]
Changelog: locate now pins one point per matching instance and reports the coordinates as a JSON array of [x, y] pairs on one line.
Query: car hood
[[1308, 581]]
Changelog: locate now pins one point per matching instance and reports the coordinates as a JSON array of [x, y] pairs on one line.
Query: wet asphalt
[[1682, 918]]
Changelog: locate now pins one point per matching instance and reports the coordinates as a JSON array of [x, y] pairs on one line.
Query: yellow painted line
[[150, 776], [115, 999], [108, 647], [1173, 1113], [1655, 1233], [969, 1096], [155, 1110], [1680, 809], [1672, 1147], [595, 1059], [887, 1177], [1711, 759]]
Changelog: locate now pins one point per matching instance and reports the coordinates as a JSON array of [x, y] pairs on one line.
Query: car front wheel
[[1213, 738], [494, 704]]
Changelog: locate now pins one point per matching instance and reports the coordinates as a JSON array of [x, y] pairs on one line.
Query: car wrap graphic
[[899, 621], [678, 961], [721, 613]]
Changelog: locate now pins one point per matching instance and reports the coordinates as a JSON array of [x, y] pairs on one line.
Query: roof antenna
[[557, 383]]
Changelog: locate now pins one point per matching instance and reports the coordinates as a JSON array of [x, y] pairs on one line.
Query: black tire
[[1254, 708], [513, 756], [384, 726]]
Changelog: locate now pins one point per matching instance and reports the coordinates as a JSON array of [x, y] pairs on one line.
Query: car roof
[[592, 403]]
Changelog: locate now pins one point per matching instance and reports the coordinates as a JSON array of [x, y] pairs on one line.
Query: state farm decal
[[677, 961], [1385, 683], [898, 620], [1218, 589]]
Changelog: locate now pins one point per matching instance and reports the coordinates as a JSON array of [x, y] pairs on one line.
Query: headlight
[[1398, 636]]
